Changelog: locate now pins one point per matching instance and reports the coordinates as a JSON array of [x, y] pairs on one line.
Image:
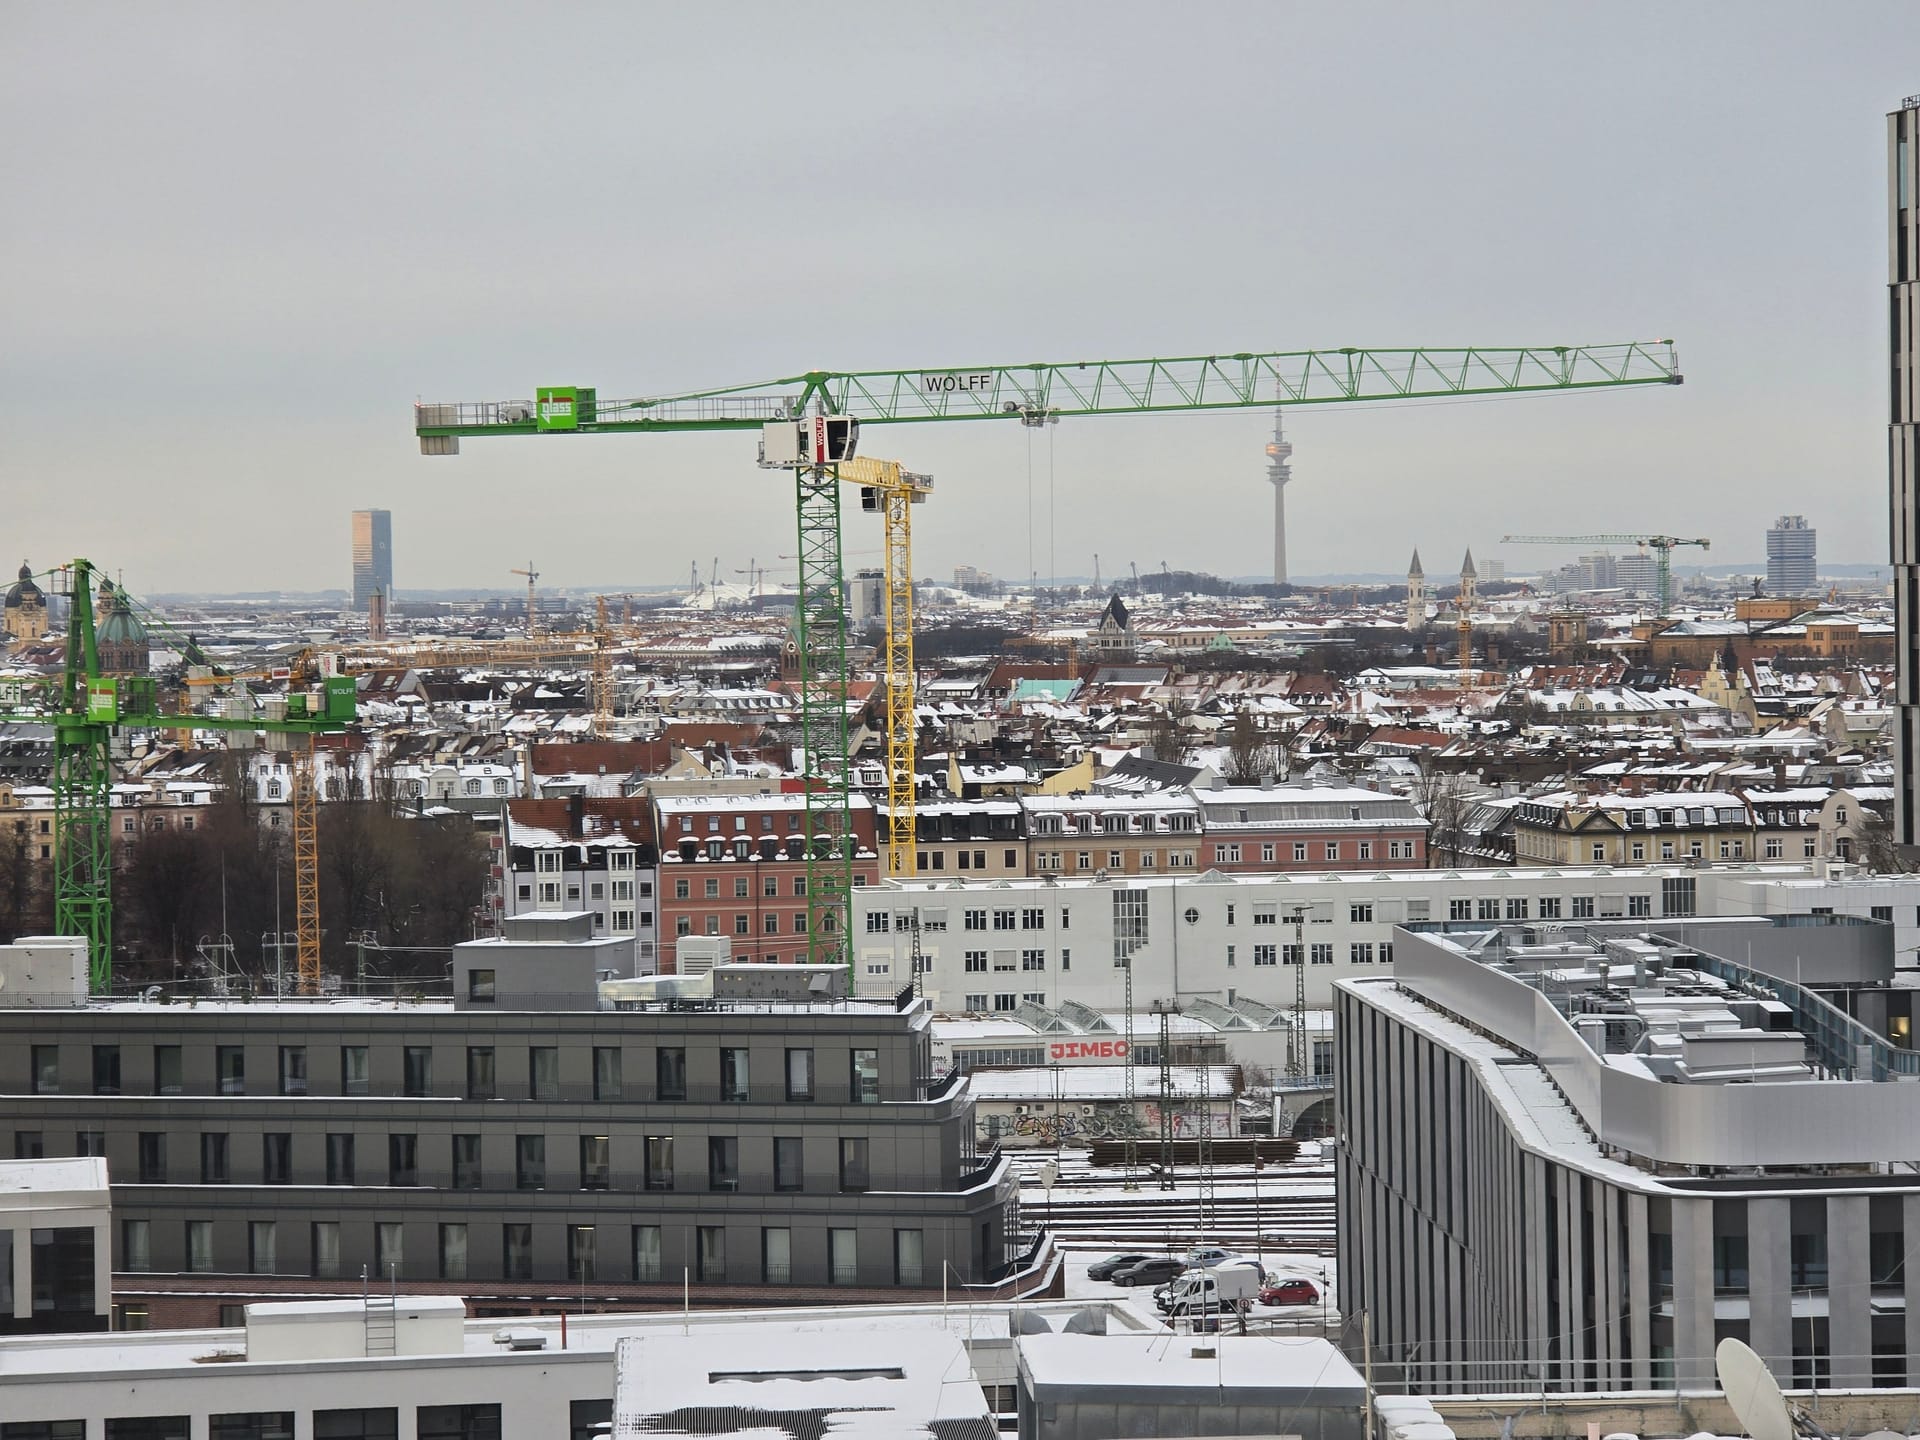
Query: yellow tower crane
[[892, 491]]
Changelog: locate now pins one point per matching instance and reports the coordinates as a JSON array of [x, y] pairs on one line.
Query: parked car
[[1103, 1269], [1290, 1291], [1151, 1271], [1207, 1256]]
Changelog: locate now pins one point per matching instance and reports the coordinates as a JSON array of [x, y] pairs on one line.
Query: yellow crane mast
[[892, 491]]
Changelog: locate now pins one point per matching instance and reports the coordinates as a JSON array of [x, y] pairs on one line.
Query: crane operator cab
[[814, 440]]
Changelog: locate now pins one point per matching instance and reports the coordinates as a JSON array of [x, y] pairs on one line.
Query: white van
[[1233, 1285]]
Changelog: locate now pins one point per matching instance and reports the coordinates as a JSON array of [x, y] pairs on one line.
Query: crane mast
[[810, 423]]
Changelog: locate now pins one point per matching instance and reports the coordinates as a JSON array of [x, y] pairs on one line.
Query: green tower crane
[[85, 707], [1662, 546], [810, 423]]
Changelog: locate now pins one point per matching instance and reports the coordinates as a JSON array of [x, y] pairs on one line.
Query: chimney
[[576, 815]]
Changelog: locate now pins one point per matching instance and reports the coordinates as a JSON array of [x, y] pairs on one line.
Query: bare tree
[[1441, 796], [1249, 756]]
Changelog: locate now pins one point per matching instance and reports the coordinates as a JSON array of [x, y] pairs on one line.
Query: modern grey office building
[[372, 556], [512, 1154], [1791, 567], [1903, 454], [1576, 1158]]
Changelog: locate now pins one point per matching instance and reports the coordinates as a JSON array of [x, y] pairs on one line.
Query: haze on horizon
[[243, 239]]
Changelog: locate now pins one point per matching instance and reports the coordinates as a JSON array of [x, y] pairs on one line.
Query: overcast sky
[[240, 240]]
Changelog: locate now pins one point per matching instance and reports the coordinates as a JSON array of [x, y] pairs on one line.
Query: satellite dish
[[1752, 1391]]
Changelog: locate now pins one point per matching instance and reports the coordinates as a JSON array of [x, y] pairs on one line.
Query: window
[[1639, 905], [466, 1162], [1880, 912], [276, 1158], [1300, 852], [1033, 959], [1332, 850], [29, 1145], [596, 1164], [213, 1158], [1459, 909], [416, 1070], [230, 1064], [1003, 919], [516, 1251], [46, 1068], [776, 1255], [581, 1267], [1321, 955], [481, 987], [1599, 852], [788, 1166], [1360, 913], [646, 1252], [909, 1257], [606, 1072], [389, 1248], [976, 1002], [670, 1073], [106, 1069], [293, 1069], [843, 1266], [1360, 953], [864, 1079], [733, 1074], [710, 1253], [976, 920], [262, 1257], [403, 1159], [1489, 909], [459, 1422], [340, 1159], [90, 1143], [356, 1424], [659, 1154], [199, 1246], [70, 1429], [530, 1162], [1366, 849], [1549, 907], [353, 1070], [723, 1162], [480, 1079], [853, 1164], [136, 1245], [680, 891], [543, 1072], [1583, 907], [1265, 955], [153, 1157], [800, 1074]]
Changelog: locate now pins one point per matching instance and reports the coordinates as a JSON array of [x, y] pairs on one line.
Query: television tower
[[1279, 472]]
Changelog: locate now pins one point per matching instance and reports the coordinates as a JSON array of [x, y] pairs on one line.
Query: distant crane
[[1661, 545], [533, 577]]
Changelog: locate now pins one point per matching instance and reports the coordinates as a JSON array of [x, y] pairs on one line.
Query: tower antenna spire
[[1279, 473]]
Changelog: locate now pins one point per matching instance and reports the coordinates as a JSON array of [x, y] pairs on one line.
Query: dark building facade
[[744, 1149], [1903, 329]]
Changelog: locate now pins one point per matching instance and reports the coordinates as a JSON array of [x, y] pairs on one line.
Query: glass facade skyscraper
[[372, 555]]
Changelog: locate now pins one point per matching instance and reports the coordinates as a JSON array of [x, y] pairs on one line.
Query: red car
[[1289, 1292]]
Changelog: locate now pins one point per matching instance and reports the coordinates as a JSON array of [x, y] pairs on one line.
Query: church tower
[[1416, 594], [1468, 575]]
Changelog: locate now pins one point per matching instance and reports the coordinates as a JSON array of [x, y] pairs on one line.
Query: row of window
[[742, 887], [453, 1258], [931, 859], [543, 1069], [1048, 861], [1230, 854], [1547, 907], [529, 1160], [1031, 961], [1033, 917], [431, 1422]]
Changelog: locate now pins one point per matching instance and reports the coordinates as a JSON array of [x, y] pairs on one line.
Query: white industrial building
[[988, 948]]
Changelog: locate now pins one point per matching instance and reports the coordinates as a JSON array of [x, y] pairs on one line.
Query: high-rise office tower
[[1279, 473], [1903, 265], [372, 555], [1790, 567]]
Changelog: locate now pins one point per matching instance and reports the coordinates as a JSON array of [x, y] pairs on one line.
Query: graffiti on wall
[[1107, 1120]]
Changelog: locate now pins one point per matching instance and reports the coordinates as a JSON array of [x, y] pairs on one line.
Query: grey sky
[[240, 240]]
